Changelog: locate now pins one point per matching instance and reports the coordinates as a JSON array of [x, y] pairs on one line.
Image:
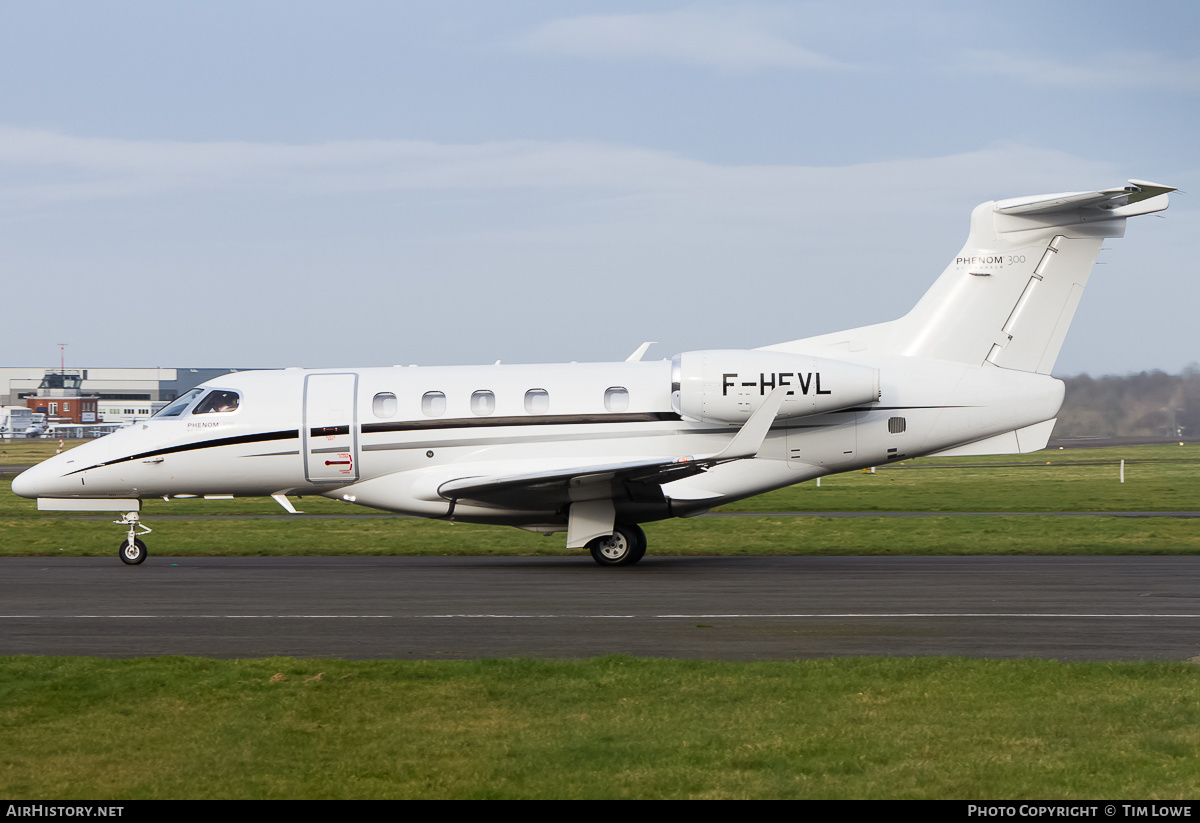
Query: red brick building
[[59, 398]]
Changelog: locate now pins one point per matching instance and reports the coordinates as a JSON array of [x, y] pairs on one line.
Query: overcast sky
[[372, 183]]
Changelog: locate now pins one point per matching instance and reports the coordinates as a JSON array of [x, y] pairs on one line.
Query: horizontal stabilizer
[[1043, 204]]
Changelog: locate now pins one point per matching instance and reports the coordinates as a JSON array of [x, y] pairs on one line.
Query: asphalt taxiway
[[753, 608]]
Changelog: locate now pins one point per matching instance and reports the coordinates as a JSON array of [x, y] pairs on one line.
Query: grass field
[[1158, 478], [621, 727], [1048, 535], [606, 728]]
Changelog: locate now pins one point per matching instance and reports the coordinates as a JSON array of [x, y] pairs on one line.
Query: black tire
[[639, 545], [624, 547], [135, 555]]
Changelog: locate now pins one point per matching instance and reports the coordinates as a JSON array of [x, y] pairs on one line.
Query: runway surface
[[753, 608]]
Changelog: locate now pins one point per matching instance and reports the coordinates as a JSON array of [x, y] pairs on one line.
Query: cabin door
[[329, 433]]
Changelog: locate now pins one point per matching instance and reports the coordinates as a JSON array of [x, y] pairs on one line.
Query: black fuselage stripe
[[529, 420], [411, 425], [453, 423], [263, 437]]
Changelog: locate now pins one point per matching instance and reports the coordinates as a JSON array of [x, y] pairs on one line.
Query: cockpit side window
[[175, 408], [217, 401]]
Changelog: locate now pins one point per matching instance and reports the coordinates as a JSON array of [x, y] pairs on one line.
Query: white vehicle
[[594, 449]]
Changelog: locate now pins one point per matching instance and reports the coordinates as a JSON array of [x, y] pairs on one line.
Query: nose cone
[[50, 478], [64, 475], [45, 480], [29, 483]]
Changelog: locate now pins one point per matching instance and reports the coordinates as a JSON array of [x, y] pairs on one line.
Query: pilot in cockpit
[[217, 401]]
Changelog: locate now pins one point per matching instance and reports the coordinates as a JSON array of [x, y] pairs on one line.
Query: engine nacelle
[[726, 386]]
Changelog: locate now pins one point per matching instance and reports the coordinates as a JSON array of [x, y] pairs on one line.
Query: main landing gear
[[624, 547], [133, 551]]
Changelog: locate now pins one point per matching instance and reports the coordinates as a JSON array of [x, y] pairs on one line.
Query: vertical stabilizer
[[1009, 296]]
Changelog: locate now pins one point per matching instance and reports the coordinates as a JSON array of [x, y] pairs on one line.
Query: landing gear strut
[[624, 547], [132, 550]]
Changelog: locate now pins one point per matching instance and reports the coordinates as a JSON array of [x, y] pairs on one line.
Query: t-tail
[[1007, 299]]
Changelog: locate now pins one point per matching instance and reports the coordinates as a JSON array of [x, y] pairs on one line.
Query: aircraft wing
[[555, 488]]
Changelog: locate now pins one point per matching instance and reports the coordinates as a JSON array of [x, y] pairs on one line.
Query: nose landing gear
[[132, 550]]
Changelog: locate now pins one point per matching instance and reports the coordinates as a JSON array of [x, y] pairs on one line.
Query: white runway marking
[[793, 616]]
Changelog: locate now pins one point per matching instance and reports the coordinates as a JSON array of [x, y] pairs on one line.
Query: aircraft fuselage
[[388, 437]]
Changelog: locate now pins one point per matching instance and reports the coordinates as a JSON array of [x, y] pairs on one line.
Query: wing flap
[[574, 477]]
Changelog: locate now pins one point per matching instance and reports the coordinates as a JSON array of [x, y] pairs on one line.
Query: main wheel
[[624, 547], [132, 555], [639, 541]]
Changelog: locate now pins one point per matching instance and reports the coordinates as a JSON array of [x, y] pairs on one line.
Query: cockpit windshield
[[176, 407], [217, 401]]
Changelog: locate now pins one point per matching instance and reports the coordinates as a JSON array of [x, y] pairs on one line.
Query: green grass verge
[[618, 727], [1158, 478], [28, 452], [608, 728], [733, 536]]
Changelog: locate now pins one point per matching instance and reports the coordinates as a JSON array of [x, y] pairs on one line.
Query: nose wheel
[[133, 553], [132, 550]]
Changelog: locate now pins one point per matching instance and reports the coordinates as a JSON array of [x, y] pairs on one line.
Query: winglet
[[637, 355], [750, 437]]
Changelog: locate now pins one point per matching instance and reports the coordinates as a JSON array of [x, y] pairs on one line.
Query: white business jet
[[594, 449]]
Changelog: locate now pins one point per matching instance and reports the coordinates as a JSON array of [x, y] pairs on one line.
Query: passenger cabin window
[[217, 401], [616, 399], [384, 404], [537, 401], [176, 408], [483, 402], [433, 404]]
